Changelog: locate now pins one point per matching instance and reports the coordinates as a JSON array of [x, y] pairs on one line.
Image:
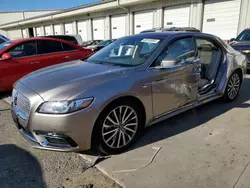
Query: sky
[[19, 5]]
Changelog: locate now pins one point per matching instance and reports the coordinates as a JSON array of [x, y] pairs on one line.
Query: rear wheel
[[118, 127], [233, 87]]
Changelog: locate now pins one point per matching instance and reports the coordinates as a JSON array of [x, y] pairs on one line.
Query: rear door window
[[67, 47], [49, 46]]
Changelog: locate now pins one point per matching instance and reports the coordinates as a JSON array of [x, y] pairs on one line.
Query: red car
[[20, 57]]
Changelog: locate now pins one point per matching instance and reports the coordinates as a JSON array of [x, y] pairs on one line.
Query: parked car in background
[[134, 82], [102, 45], [242, 44], [3, 39], [76, 39], [91, 43], [20, 57], [188, 29]]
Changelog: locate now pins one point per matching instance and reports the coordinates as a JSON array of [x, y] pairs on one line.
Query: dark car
[[91, 43], [188, 29], [76, 39], [102, 45], [242, 44]]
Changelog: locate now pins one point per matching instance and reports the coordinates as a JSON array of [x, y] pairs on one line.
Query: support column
[[89, 29], [74, 25], [244, 20], [107, 28]]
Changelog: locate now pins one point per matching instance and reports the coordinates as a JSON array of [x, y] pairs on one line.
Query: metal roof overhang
[[100, 6]]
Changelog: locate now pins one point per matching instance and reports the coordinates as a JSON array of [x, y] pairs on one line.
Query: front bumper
[[67, 132]]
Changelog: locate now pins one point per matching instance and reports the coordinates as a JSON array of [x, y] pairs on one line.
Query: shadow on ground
[[193, 118], [19, 169], [5, 94]]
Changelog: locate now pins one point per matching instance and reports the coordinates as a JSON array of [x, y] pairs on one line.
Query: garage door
[[25, 33], [143, 20], [14, 34], [98, 28], [68, 28], [47, 30], [38, 31], [82, 29], [221, 18], [57, 29], [177, 16], [118, 26]]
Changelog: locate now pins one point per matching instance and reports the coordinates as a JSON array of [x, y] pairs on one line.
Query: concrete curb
[[90, 159]]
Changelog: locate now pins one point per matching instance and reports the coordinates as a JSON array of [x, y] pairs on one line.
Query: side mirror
[[232, 39], [167, 63], [6, 56]]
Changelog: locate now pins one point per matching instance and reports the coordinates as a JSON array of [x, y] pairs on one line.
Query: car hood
[[241, 46], [62, 81]]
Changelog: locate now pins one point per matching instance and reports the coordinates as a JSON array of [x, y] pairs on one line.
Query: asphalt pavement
[[24, 167]]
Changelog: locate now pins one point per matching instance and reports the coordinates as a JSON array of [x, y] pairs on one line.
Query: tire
[[233, 87], [111, 134]]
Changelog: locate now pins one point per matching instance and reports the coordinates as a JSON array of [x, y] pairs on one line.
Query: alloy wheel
[[120, 127], [233, 86]]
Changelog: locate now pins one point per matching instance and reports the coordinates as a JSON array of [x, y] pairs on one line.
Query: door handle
[[66, 57], [34, 62]]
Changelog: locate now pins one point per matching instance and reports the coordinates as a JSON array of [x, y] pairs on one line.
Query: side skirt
[[203, 100]]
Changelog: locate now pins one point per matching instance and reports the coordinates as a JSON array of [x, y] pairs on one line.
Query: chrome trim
[[24, 134], [54, 53], [45, 144], [16, 109]]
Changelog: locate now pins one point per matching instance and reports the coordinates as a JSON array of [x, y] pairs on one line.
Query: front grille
[[21, 103]]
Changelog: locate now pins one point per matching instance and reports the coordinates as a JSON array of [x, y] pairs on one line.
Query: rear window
[[67, 47], [70, 39], [49, 46]]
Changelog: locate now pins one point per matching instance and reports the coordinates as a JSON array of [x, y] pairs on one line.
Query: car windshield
[[128, 51], [5, 45], [244, 36], [104, 43]]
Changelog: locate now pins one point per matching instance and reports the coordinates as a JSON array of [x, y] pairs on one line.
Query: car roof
[[184, 29], [40, 38], [173, 34]]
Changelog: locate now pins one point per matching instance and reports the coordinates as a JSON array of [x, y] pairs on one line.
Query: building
[[116, 18], [7, 17]]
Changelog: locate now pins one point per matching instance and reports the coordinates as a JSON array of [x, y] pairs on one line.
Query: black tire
[[227, 95], [99, 142]]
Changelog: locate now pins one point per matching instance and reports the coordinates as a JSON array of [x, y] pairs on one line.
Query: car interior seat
[[210, 58]]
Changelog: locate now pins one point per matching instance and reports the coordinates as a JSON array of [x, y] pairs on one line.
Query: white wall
[[4, 33], [14, 34], [6, 17]]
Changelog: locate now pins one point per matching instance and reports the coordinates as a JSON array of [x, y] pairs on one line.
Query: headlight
[[64, 107]]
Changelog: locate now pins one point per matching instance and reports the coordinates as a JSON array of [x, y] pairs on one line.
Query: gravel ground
[[24, 167]]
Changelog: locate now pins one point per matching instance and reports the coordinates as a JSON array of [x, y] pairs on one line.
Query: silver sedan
[[137, 81]]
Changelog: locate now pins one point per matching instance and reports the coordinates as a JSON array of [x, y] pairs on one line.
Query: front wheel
[[118, 127], [233, 87]]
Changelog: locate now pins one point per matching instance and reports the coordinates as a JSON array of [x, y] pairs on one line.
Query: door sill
[[204, 99]]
